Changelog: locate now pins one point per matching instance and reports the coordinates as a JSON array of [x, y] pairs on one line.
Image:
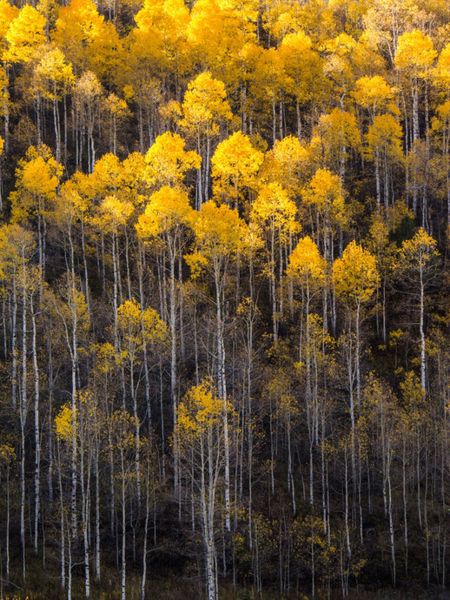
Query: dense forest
[[224, 350]]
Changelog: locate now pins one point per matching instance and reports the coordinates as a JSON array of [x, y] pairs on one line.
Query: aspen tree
[[414, 57], [25, 35], [417, 261], [136, 326], [202, 436], [385, 150], [355, 277], [235, 165], [220, 236], [339, 136], [304, 71], [53, 81], [205, 110], [168, 215], [308, 269], [168, 162], [274, 215]]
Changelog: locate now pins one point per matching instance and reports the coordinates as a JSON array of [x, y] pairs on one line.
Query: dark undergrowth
[[44, 586]]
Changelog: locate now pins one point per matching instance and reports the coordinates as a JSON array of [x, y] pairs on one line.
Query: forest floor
[[43, 584], [168, 589]]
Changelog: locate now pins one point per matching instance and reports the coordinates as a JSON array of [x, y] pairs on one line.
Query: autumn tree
[[417, 262], [202, 440], [274, 214], [220, 237], [205, 110], [235, 165], [167, 217], [355, 277]]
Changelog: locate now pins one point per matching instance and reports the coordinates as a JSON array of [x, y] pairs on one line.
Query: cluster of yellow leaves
[[415, 52], [384, 136], [219, 234], [87, 40], [355, 275], [139, 325], [418, 251], [274, 211], [286, 163], [53, 75], [106, 357], [16, 244], [64, 423], [116, 106], [374, 94], [205, 105], [114, 213], [7, 454], [37, 178], [413, 395], [324, 192], [306, 265], [235, 165], [168, 209], [335, 135], [123, 428], [199, 410], [167, 161], [25, 34]]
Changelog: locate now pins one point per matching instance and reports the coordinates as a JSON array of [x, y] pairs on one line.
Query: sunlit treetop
[[87, 40], [268, 78], [287, 16], [26, 33], [336, 134], [205, 105], [374, 94], [286, 163], [273, 209], [37, 178], [132, 177], [230, 25], [302, 66], [235, 165], [418, 251], [385, 136], [219, 229], [69, 206], [220, 234], [113, 214], [415, 53], [200, 410], [139, 325], [168, 161], [167, 210], [7, 13], [87, 92], [355, 275], [53, 74], [306, 265], [105, 177], [325, 193], [160, 40]]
